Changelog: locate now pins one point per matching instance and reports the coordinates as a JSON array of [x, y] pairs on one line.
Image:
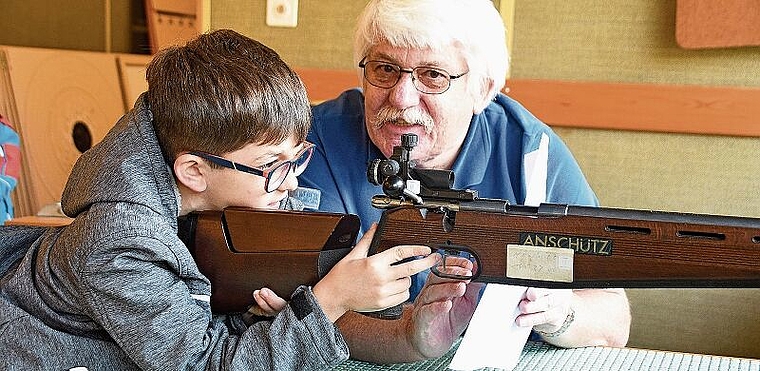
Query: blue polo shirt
[[507, 154]]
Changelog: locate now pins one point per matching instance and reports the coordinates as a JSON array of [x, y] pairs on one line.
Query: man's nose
[[404, 94]]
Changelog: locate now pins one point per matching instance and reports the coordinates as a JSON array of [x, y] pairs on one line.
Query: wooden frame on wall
[[704, 24], [640, 107], [687, 109]]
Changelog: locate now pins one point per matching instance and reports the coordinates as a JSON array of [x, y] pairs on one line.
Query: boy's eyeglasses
[[428, 80], [274, 175]]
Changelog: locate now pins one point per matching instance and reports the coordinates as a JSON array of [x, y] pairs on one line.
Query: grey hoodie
[[117, 289]]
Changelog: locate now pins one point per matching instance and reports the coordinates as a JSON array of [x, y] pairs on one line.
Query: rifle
[[242, 249], [557, 245]]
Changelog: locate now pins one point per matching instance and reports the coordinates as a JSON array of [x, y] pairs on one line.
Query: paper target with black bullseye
[[66, 102]]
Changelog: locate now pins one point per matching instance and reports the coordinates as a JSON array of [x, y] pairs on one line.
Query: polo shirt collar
[[470, 165]]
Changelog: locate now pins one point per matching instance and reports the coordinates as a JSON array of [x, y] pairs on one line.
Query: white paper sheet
[[492, 338], [536, 164]]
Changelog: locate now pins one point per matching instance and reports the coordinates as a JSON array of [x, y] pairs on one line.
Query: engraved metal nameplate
[[540, 263]]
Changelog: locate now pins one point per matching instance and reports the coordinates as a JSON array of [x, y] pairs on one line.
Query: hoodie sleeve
[[146, 305]]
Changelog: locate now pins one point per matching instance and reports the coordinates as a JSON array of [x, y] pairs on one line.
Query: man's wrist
[[568, 321], [409, 331]]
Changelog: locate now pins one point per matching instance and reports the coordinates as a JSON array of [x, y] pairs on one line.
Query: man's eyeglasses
[[428, 80], [274, 175]]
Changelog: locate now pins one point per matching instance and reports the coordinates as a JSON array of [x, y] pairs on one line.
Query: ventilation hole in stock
[[705, 235], [624, 229], [756, 239]]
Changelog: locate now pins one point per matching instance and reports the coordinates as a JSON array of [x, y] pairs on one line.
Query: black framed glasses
[[428, 80], [274, 175]]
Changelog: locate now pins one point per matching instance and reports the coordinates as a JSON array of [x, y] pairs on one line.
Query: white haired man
[[435, 68]]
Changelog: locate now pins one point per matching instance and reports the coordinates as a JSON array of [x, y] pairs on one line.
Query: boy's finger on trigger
[[409, 252], [412, 259], [418, 265]]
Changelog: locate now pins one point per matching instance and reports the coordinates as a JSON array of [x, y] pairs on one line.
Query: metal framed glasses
[[274, 175], [428, 80]]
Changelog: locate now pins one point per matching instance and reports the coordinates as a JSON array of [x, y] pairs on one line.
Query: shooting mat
[[62, 102]]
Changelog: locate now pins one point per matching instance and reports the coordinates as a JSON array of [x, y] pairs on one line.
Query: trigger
[[448, 220]]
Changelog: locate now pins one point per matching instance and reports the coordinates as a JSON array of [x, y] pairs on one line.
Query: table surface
[[40, 221], [543, 356]]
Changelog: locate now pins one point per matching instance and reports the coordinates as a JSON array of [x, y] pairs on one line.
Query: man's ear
[[191, 171], [484, 96]]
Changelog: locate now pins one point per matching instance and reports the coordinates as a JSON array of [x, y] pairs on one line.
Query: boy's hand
[[362, 283], [267, 304]]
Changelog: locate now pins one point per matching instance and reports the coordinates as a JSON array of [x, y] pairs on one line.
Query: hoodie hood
[[125, 167]]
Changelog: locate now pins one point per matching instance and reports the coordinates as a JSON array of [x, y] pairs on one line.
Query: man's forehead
[[444, 56]]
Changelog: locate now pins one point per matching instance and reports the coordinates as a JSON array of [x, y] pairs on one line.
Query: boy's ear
[[190, 170]]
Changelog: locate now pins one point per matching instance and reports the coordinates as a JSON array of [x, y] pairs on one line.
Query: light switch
[[282, 13]]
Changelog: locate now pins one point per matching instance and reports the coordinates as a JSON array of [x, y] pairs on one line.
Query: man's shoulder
[[339, 121], [504, 109]]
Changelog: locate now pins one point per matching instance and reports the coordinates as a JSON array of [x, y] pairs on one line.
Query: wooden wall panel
[[641, 107], [644, 107]]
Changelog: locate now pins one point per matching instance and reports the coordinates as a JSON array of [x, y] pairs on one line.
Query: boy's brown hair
[[221, 92]]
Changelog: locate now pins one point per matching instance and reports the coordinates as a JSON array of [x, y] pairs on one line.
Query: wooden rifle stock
[[241, 250], [562, 246]]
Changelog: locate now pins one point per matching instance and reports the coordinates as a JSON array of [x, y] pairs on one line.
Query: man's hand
[[443, 309], [544, 309]]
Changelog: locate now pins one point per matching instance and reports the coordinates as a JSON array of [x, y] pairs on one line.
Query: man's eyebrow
[[383, 56], [389, 59]]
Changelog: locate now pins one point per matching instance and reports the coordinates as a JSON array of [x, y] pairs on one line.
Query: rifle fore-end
[[560, 246]]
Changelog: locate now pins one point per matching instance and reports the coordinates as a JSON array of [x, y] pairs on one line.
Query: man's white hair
[[473, 26]]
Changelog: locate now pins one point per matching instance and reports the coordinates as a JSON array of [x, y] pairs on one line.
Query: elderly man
[[435, 68]]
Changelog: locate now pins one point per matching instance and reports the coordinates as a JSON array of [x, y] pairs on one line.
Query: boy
[[117, 289]]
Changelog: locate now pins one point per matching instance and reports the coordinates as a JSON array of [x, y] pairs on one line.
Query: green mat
[[542, 356]]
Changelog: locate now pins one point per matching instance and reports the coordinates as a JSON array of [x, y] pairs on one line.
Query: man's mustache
[[410, 116]]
